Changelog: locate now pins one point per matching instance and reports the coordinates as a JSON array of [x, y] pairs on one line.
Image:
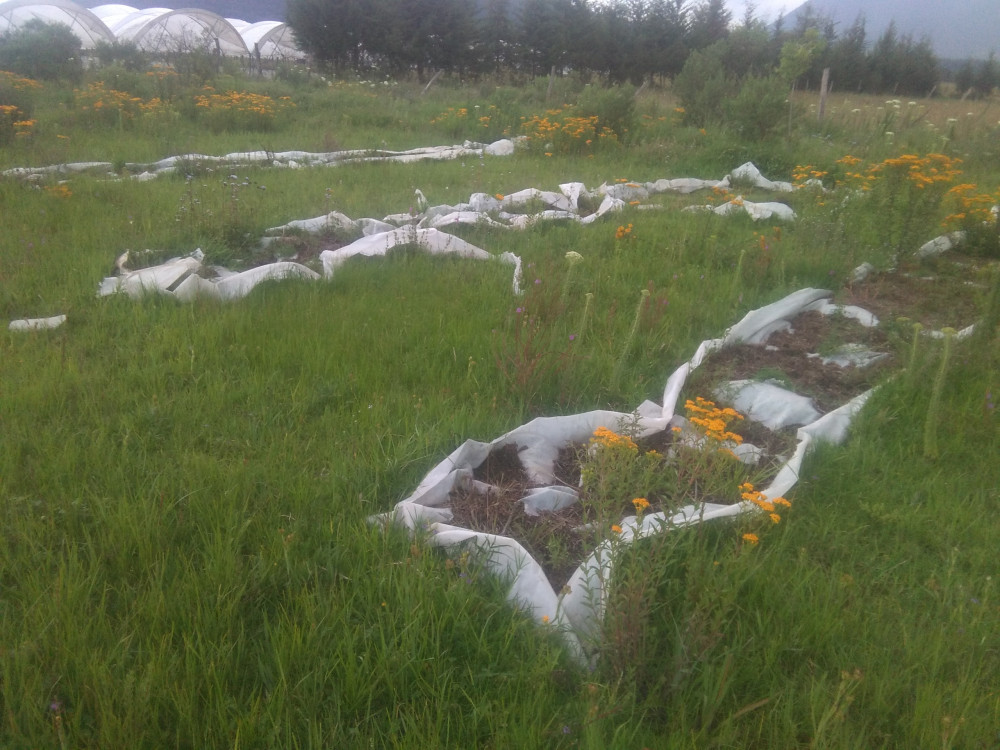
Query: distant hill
[[958, 29], [245, 10]]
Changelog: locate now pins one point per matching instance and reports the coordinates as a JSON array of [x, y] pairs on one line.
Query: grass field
[[186, 561]]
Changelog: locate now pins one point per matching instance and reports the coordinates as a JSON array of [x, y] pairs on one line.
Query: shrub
[[702, 87], [614, 108], [46, 51], [759, 108]]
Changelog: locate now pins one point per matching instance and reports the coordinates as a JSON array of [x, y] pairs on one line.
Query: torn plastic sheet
[[771, 405], [186, 278], [287, 159], [851, 355], [181, 278], [36, 324], [432, 241], [578, 608], [756, 211]]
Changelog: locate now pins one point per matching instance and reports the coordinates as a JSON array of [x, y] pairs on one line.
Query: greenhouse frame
[[158, 30]]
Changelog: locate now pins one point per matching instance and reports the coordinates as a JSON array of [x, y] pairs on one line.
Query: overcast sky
[[766, 10]]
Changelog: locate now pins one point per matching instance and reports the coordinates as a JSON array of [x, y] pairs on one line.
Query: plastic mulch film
[[187, 277], [577, 609]]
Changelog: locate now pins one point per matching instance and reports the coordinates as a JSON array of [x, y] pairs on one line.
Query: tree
[[987, 77], [709, 23], [46, 51], [797, 55], [848, 58], [749, 50], [552, 32], [702, 86], [495, 36], [332, 31]]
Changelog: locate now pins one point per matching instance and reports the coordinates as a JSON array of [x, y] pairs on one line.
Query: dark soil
[[555, 540], [937, 293], [784, 359], [945, 291]]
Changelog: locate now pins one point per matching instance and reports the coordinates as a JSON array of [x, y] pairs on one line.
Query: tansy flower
[[640, 504]]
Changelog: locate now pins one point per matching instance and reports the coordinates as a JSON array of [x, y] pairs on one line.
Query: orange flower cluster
[[16, 82], [748, 493], [712, 419], [919, 171], [97, 98], [609, 439], [452, 114], [922, 171], [244, 102], [624, 232], [59, 191], [971, 206], [568, 133], [13, 123], [805, 172]]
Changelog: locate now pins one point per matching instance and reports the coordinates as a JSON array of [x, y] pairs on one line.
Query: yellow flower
[[616, 528], [775, 517], [545, 619], [751, 538], [640, 504]]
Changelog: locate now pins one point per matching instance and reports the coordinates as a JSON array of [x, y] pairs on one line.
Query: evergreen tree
[[988, 76], [709, 23], [332, 31], [848, 59]]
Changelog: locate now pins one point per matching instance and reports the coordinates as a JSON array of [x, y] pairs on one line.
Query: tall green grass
[[186, 558]]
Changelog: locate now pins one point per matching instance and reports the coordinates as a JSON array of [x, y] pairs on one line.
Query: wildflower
[[775, 518], [573, 257], [751, 538], [499, 196], [545, 619], [641, 504], [616, 528], [606, 438]]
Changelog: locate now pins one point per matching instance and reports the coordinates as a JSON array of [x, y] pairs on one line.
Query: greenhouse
[[82, 22], [157, 30], [164, 30], [272, 39]]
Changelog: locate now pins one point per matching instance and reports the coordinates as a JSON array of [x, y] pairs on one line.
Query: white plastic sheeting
[[186, 278], [84, 24], [282, 159], [578, 608], [36, 324]]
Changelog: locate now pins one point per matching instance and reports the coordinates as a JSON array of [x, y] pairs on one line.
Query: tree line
[[618, 40]]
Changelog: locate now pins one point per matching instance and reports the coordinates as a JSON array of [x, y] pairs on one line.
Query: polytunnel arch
[[163, 30], [86, 25], [274, 39]]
